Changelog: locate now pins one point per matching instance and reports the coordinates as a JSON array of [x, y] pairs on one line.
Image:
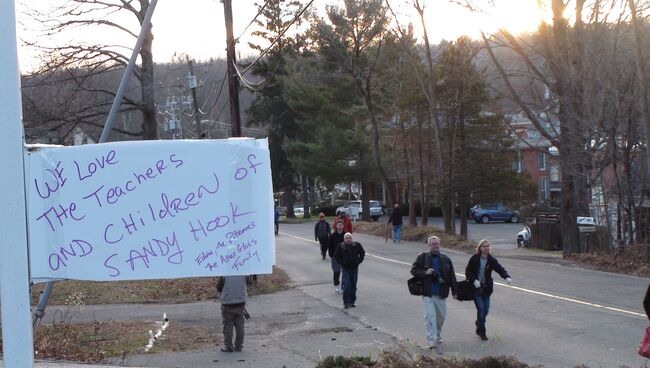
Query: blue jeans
[[397, 232], [349, 285], [482, 303]]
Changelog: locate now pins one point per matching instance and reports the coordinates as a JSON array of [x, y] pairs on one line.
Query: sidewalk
[[286, 329]]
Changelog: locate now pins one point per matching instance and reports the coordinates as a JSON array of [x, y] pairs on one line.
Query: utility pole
[[233, 82], [192, 81]]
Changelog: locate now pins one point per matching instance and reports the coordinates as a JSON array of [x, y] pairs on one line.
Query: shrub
[[343, 362], [401, 359]]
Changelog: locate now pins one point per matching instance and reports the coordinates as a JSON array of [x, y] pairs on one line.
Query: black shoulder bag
[[416, 284]]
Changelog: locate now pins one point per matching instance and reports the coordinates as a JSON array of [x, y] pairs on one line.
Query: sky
[[196, 27]]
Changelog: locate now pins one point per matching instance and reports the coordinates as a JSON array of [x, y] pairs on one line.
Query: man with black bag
[[437, 273]]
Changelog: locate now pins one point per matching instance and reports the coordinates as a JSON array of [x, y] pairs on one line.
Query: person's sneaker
[[238, 348], [484, 337], [431, 345], [323, 258], [346, 306], [352, 305], [439, 340], [337, 288], [227, 350]]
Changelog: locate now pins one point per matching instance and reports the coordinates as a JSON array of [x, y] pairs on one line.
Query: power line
[[256, 86], [277, 38], [220, 112], [253, 21], [223, 81]]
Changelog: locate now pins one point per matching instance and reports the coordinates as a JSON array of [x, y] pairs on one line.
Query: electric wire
[[253, 21], [218, 116], [277, 38]]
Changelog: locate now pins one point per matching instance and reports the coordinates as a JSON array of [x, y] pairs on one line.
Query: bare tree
[[82, 64], [584, 103]]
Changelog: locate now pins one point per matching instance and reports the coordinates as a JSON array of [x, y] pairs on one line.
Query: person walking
[[349, 255], [276, 220], [336, 238], [322, 232], [233, 307], [437, 272], [347, 223], [396, 219], [479, 272]]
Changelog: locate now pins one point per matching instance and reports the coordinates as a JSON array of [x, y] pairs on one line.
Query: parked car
[[523, 237], [299, 211], [483, 214], [375, 209]]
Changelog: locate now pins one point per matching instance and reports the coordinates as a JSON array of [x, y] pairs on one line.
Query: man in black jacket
[[437, 271], [349, 255], [322, 232]]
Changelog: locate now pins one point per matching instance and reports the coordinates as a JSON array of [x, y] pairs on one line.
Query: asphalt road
[[553, 315], [502, 235]]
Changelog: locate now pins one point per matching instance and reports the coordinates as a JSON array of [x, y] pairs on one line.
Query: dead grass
[[95, 342], [400, 359], [185, 290], [630, 260], [416, 234]]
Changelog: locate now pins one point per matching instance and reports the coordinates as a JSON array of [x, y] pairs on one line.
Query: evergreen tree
[[475, 144], [329, 144], [269, 107]]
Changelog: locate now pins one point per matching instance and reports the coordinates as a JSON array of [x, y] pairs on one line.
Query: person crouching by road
[[349, 255], [335, 239], [479, 272], [437, 271], [233, 302], [322, 232]]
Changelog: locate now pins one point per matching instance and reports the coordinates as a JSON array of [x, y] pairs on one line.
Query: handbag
[[644, 346], [465, 290], [416, 285]]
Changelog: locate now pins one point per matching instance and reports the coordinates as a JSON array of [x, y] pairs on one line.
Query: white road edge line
[[571, 300]]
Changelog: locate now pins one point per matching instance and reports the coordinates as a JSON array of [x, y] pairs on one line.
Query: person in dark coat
[[437, 272], [336, 238], [396, 219], [322, 232], [479, 273], [349, 255]]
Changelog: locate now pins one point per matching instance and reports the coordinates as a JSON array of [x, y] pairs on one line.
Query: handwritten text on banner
[[148, 210]]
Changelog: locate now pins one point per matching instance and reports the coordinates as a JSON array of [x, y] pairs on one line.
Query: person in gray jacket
[[233, 302]]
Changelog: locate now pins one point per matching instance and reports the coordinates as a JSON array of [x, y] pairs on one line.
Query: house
[[535, 155]]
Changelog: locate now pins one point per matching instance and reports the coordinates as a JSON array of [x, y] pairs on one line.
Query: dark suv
[[483, 214]]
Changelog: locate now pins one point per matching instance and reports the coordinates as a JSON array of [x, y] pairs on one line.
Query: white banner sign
[[150, 210]]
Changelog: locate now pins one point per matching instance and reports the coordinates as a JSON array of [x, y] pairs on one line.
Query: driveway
[[502, 235]]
